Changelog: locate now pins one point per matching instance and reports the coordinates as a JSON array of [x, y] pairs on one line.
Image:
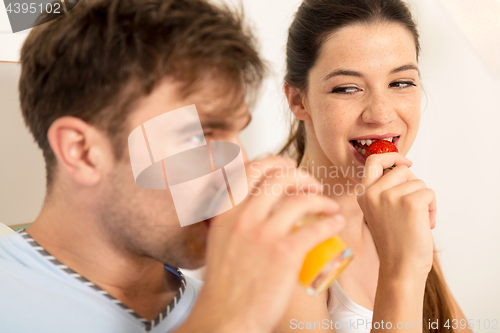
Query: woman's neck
[[342, 189]]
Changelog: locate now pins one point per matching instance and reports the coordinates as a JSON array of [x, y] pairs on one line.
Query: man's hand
[[253, 258]]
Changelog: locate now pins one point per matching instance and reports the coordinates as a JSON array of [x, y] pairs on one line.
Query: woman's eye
[[402, 84], [345, 90], [197, 139]]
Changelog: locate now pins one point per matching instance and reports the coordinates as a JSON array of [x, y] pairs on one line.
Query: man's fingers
[[296, 207], [310, 235], [276, 184]]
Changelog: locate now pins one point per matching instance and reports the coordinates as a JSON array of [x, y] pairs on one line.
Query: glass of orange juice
[[324, 263]]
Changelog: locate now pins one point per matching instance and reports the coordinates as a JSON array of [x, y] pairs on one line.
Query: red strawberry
[[380, 147]]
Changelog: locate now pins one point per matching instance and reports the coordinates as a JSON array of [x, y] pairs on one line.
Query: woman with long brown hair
[[352, 78]]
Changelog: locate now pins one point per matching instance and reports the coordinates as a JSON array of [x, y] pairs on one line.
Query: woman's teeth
[[361, 151], [362, 145]]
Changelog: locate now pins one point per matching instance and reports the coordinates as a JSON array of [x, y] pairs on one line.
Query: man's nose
[[379, 109], [236, 139]]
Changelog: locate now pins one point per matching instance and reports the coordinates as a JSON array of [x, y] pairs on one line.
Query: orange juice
[[324, 263]]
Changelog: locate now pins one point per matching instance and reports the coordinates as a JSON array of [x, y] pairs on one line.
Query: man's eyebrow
[[345, 72], [405, 68], [223, 125]]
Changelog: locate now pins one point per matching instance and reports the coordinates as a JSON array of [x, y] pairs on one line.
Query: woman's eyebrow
[[345, 72], [405, 68], [348, 72]]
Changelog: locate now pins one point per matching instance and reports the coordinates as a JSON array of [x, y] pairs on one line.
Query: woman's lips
[[357, 155], [396, 141]]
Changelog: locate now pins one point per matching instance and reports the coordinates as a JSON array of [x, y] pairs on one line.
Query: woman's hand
[[400, 211]]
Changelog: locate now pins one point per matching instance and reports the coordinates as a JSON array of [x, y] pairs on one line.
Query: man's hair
[[103, 55]]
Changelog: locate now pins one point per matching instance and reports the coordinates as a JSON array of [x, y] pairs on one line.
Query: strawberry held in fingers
[[380, 147]]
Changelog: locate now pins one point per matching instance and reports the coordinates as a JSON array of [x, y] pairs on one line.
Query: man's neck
[[74, 238]]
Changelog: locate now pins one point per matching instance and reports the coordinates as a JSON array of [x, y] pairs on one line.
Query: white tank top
[[347, 316]]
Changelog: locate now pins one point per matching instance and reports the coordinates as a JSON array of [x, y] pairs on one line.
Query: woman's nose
[[379, 110]]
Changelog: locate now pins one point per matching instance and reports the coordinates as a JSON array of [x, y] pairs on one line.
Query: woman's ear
[[296, 103]]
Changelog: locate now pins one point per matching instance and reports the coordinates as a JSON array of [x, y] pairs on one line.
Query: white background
[[456, 151]]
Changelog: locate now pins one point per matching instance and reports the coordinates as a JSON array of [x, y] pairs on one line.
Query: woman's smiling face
[[364, 85]]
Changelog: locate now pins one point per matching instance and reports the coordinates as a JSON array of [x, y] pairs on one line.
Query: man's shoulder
[[12, 247], [21, 259], [39, 297], [30, 283], [36, 299]]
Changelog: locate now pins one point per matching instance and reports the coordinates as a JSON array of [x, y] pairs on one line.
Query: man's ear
[[82, 151], [296, 103]]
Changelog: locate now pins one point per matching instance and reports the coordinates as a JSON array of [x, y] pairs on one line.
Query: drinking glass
[[324, 263]]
